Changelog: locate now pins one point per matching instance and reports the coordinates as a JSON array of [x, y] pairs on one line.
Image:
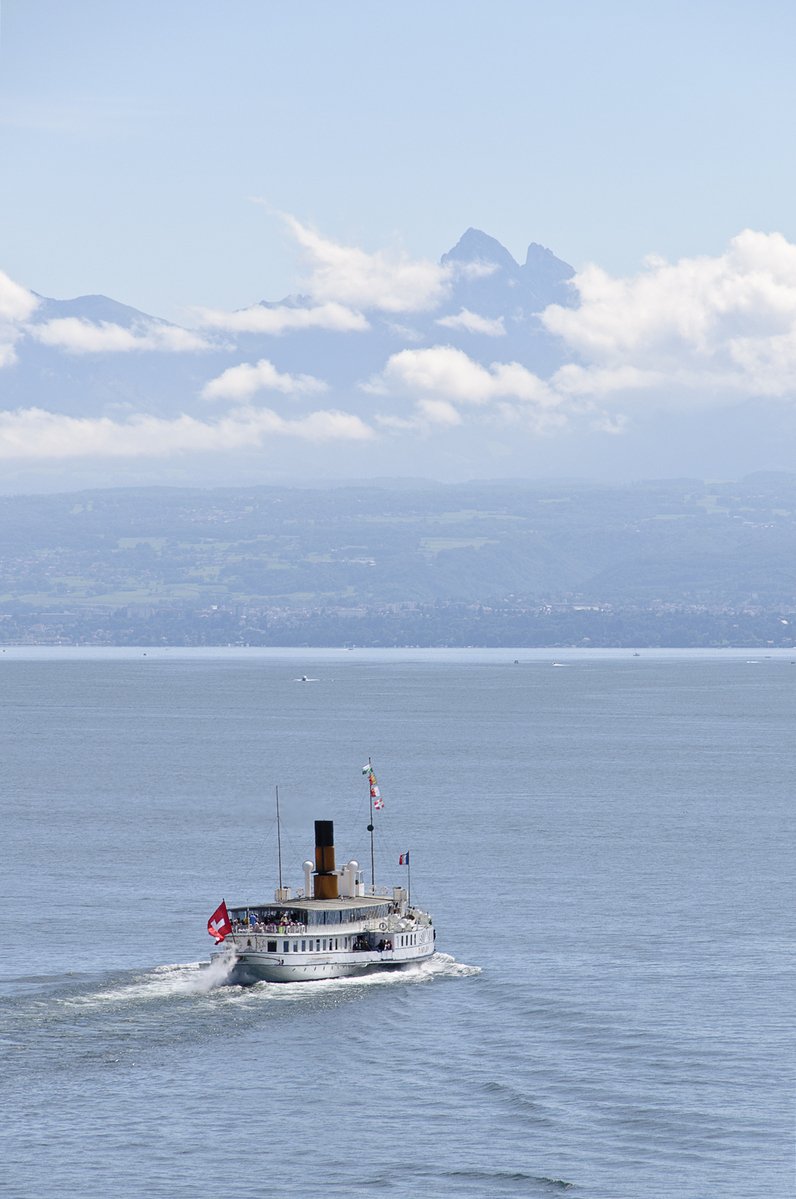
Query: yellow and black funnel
[[325, 883]]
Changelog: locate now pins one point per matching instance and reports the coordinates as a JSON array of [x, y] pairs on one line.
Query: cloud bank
[[444, 380], [284, 318], [691, 335], [351, 276], [471, 322], [699, 330], [32, 433], [702, 332], [79, 336]]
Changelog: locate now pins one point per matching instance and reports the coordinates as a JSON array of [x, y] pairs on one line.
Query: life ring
[[383, 926]]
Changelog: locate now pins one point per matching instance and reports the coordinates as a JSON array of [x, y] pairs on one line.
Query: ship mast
[[278, 838], [370, 830]]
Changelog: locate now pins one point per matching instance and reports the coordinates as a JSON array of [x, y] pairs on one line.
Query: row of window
[[306, 916], [319, 946], [323, 944]]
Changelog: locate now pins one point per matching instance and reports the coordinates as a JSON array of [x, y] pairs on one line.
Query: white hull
[[250, 966]]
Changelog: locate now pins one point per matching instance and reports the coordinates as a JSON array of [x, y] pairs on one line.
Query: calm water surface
[[606, 847]]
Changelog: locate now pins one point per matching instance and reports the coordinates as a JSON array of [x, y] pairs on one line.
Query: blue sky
[[135, 135]]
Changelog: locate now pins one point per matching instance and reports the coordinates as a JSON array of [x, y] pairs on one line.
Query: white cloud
[[32, 433], [351, 276], [471, 322], [241, 382], [8, 354], [439, 412], [442, 381], [478, 269], [17, 305], [284, 318], [443, 372], [428, 415], [573, 380], [701, 330], [79, 336]]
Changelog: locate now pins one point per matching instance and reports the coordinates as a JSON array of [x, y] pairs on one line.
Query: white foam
[[441, 965], [196, 978], [163, 982]]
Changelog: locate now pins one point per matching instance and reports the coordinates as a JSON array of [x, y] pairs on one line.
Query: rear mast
[[278, 840], [370, 830]]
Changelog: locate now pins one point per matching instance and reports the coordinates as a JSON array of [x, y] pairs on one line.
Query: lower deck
[[255, 957]]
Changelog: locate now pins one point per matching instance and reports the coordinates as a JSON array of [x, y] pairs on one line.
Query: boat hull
[[245, 969]]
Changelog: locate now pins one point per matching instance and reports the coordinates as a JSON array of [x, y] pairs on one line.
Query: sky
[[134, 136], [193, 158]]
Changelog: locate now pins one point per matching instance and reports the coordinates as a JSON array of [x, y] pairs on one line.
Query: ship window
[[285, 947], [303, 946], [272, 946], [295, 946], [317, 946]]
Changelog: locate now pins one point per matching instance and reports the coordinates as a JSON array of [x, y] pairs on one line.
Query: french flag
[[404, 859]]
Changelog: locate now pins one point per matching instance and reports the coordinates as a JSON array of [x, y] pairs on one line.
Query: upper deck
[[304, 913]]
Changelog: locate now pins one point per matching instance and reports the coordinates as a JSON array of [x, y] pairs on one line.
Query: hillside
[[130, 563]]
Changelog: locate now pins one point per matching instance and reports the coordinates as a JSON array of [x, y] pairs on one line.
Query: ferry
[[336, 926]]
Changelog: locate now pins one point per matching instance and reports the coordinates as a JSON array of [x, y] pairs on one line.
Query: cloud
[[8, 354], [32, 433], [428, 415], [443, 372], [17, 305], [241, 382], [477, 269], [351, 276], [442, 380], [471, 322], [79, 336], [284, 318], [701, 330]]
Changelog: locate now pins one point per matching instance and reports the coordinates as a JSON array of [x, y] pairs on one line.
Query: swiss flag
[[219, 924]]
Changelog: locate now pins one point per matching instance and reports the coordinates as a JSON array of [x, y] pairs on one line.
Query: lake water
[[606, 846]]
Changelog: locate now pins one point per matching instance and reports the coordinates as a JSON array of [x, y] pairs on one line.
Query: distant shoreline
[[508, 655]]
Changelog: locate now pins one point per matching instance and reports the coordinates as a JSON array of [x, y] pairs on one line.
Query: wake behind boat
[[335, 927]]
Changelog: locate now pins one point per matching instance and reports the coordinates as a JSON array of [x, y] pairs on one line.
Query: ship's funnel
[[325, 882]]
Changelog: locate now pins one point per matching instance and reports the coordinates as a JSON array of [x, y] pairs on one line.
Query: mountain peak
[[93, 308], [543, 264], [476, 246]]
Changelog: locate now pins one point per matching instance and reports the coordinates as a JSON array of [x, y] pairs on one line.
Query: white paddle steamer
[[335, 927]]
